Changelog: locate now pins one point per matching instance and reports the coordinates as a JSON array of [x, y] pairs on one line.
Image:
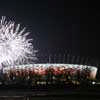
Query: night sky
[[58, 26]]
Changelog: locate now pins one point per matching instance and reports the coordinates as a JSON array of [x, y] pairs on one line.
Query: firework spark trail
[[15, 48]]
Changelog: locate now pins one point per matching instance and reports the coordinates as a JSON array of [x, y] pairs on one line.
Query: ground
[[50, 94]]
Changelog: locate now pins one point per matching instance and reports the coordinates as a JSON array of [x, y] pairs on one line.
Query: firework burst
[[15, 48]]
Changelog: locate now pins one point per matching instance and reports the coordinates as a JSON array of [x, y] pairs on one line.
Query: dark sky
[[58, 26]]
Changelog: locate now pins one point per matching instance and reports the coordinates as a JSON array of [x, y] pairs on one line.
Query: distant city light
[[93, 83]]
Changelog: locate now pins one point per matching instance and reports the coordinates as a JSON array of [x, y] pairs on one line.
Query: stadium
[[46, 74]]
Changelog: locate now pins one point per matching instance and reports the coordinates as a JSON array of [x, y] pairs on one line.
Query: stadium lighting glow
[[15, 47], [40, 68]]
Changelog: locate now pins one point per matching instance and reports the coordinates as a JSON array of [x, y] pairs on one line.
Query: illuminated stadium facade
[[58, 68], [48, 74]]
